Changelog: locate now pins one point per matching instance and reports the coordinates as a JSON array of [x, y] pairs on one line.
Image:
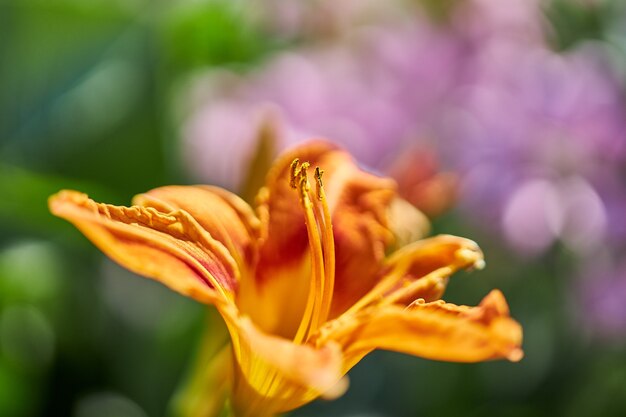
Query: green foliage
[[575, 22]]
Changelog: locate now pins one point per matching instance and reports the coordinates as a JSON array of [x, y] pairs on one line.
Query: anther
[[304, 186], [304, 167], [318, 175], [295, 167], [303, 178]]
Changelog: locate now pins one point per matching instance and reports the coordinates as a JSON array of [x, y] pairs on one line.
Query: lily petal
[[407, 223], [434, 330], [228, 218], [273, 374], [422, 270], [362, 235], [426, 255], [358, 203], [288, 240], [169, 247]]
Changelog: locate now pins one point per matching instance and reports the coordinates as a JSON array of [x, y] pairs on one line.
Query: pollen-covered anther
[[303, 169], [318, 176], [298, 178], [294, 168]]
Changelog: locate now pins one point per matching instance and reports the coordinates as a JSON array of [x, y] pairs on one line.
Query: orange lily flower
[[305, 283]]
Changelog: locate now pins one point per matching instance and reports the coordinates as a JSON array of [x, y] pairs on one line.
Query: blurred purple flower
[[541, 141], [355, 93], [320, 19], [603, 310], [537, 137]]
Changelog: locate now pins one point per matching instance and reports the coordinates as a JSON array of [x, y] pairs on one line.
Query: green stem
[[207, 384], [206, 388]]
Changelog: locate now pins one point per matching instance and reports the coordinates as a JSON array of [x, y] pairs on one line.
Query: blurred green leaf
[[17, 396], [575, 22], [26, 336], [24, 196], [203, 33]]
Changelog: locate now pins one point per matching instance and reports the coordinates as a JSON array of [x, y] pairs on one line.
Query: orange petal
[[422, 270], [434, 330], [358, 202], [169, 247], [228, 219], [287, 235], [432, 260], [362, 235], [421, 181], [426, 255], [407, 223]]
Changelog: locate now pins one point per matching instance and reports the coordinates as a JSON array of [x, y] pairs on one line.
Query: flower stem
[[204, 390]]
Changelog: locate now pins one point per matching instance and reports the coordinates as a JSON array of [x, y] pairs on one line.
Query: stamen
[[328, 245], [315, 245], [295, 166], [304, 186], [377, 293], [320, 184], [435, 281], [322, 249]]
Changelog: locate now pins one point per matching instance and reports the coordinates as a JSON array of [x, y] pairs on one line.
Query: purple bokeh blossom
[[541, 143], [355, 93], [603, 291], [537, 137]]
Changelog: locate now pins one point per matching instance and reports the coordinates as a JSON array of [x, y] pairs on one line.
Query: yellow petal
[[169, 247], [406, 222], [272, 374], [426, 255], [434, 330], [227, 218]]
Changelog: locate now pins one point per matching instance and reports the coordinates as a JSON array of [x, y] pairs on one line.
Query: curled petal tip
[[56, 200], [515, 355], [471, 256], [338, 389], [495, 303]]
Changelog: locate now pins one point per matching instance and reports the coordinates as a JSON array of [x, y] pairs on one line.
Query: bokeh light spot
[[107, 404], [26, 336]]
